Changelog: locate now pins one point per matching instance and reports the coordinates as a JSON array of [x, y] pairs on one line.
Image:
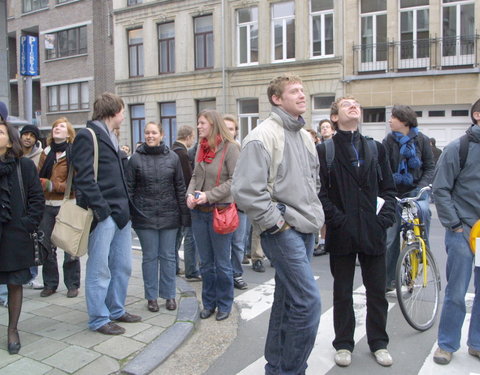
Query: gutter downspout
[[224, 93]]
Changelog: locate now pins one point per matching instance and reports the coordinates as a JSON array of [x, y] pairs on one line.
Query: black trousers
[[71, 265], [373, 269]]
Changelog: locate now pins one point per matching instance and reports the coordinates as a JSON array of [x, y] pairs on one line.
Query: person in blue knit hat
[[411, 160]]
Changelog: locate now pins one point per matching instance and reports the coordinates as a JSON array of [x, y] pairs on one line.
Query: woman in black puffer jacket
[[157, 188]]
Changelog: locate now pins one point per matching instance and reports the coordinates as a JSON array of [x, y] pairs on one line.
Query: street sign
[[28, 55]]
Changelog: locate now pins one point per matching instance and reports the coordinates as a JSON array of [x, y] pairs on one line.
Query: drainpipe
[[224, 94]]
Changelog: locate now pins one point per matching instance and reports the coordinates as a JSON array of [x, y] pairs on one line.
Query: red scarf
[[205, 153]]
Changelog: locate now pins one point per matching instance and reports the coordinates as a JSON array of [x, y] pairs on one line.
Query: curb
[[160, 349]]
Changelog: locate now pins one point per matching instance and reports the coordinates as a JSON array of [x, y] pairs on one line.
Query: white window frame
[[284, 32], [322, 15], [412, 62], [458, 58], [248, 26], [374, 64], [251, 124]]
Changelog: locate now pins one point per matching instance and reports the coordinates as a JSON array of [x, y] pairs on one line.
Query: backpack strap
[[329, 153], [372, 145], [463, 151]]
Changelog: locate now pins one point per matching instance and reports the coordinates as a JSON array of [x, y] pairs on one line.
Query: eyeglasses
[[349, 103]]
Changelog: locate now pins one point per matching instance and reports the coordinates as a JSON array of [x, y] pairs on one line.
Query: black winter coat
[[349, 197], [16, 246], [421, 176], [109, 195], [157, 188]]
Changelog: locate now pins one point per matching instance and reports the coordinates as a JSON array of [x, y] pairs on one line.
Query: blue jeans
[[296, 306], [459, 271], [215, 264], [158, 248], [238, 245], [190, 253], [393, 234], [108, 270]]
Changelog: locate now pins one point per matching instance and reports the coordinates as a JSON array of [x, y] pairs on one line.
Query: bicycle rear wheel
[[418, 302]]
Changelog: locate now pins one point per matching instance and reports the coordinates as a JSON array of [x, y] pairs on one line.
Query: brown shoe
[[111, 329], [129, 318], [475, 353], [46, 292], [442, 357], [152, 305], [72, 293], [171, 304]]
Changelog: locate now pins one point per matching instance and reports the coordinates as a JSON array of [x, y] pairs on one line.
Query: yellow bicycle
[[417, 277]]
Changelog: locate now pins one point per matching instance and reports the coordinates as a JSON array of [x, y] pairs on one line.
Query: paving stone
[[70, 302], [162, 320], [150, 334], [102, 365], [133, 329], [72, 358], [25, 366], [79, 318], [23, 316], [60, 331], [86, 338], [6, 357], [42, 348], [29, 305], [51, 310], [119, 347], [56, 371], [36, 324], [188, 309], [25, 338]]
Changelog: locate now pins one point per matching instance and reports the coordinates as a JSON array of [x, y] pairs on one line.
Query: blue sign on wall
[[28, 55]]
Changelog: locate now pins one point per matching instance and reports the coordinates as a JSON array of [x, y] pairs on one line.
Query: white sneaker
[[343, 357], [383, 357], [33, 284]]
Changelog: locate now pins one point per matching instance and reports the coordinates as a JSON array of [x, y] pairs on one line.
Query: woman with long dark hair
[[157, 188], [53, 171], [217, 151], [19, 217]]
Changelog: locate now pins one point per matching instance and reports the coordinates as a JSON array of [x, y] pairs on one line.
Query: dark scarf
[[205, 153], [408, 157], [162, 148], [47, 168], [6, 168]]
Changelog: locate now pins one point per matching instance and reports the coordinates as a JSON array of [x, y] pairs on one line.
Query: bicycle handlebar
[[416, 198]]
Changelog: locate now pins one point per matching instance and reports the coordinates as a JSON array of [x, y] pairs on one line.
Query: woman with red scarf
[[217, 154]]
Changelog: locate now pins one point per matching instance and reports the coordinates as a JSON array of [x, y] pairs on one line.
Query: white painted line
[[462, 362], [321, 358], [257, 300]]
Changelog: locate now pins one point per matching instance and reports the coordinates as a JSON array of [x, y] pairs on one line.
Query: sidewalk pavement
[[55, 338]]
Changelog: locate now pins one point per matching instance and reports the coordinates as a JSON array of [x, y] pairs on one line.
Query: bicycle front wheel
[[418, 296]]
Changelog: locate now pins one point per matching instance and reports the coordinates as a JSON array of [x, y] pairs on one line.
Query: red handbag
[[225, 220]]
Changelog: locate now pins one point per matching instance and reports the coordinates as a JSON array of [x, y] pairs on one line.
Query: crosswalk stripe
[[321, 358], [257, 300], [462, 362]]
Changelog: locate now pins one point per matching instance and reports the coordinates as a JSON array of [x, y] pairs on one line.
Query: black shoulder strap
[[372, 145], [463, 151], [20, 183], [329, 153]]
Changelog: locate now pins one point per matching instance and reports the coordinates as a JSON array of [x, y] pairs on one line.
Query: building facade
[[75, 57], [176, 57]]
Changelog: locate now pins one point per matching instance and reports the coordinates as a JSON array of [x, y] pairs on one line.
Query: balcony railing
[[422, 54]]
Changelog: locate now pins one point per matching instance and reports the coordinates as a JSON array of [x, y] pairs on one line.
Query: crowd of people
[[169, 197]]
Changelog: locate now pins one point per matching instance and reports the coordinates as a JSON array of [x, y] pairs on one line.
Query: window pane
[[137, 111], [72, 41], [133, 61], [242, 40], [209, 51], [52, 99], [248, 106], [278, 35], [85, 96], [254, 43], [368, 6], [319, 5], [135, 36], [199, 52], [381, 37], [73, 91], [316, 35], [323, 102], [62, 43], [413, 3], [283, 9], [63, 97], [166, 30], [83, 40], [203, 24], [140, 60], [290, 39], [168, 109], [172, 56], [247, 15], [329, 34]]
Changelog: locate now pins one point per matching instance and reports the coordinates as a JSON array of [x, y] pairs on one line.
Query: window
[[374, 34], [203, 29], [205, 104], [283, 31], [247, 36], [458, 33], [322, 102], [135, 52], [373, 115], [65, 43], [137, 122], [414, 33], [31, 5], [168, 119], [134, 2], [321, 21], [166, 48], [248, 116], [68, 97]]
